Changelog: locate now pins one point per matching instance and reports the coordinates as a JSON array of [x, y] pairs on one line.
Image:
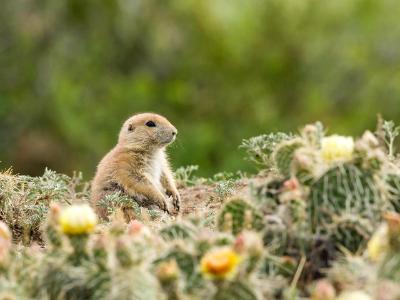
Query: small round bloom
[[291, 184], [5, 242], [220, 263], [77, 219], [250, 243], [354, 295], [138, 230], [324, 290], [135, 227], [393, 221], [55, 209], [54, 213], [379, 243], [5, 233], [337, 148], [167, 271]]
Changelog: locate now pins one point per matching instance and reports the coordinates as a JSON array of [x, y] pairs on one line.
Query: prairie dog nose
[[174, 132]]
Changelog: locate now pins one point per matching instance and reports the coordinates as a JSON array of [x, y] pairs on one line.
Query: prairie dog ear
[[131, 128]]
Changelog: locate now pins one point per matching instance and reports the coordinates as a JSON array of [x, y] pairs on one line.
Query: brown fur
[[138, 165]]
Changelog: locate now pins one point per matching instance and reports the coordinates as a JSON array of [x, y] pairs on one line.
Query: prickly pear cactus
[[177, 231], [238, 215], [389, 268], [351, 231], [141, 286], [284, 154], [345, 190], [236, 290], [187, 264], [393, 183]]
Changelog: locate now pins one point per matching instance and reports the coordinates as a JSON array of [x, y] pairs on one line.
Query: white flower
[[337, 148], [355, 295]]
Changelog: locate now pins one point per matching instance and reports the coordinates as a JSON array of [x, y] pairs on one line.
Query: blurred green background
[[221, 70]]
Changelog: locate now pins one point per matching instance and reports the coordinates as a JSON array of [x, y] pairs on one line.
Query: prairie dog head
[[147, 131]]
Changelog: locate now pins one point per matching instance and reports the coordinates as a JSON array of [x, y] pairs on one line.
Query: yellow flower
[[77, 219], [337, 148], [220, 263], [354, 295], [379, 243]]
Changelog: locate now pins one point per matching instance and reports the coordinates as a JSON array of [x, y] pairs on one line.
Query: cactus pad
[[284, 154], [238, 215]]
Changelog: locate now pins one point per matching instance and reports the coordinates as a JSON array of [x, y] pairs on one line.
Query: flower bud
[[134, 227], [393, 221], [54, 211], [5, 233], [138, 230], [167, 271], [291, 184], [5, 243], [324, 290], [250, 243]]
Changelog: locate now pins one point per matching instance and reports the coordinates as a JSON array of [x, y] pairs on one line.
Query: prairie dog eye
[[150, 124], [130, 127]]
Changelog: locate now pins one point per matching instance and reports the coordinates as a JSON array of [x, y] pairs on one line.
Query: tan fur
[[138, 165]]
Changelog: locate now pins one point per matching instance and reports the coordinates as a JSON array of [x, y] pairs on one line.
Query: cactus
[[283, 155], [177, 231], [140, 286], [393, 184], [187, 264], [268, 192], [238, 215], [351, 231], [390, 266], [235, 290], [341, 191], [344, 189]]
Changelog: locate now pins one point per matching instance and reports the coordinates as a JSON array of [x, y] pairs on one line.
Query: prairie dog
[[138, 165]]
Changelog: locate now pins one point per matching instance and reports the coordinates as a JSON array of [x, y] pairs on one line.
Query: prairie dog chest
[[155, 168]]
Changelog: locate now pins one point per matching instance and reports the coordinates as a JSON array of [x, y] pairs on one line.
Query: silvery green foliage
[[259, 149], [25, 199], [225, 188], [390, 133], [184, 176]]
